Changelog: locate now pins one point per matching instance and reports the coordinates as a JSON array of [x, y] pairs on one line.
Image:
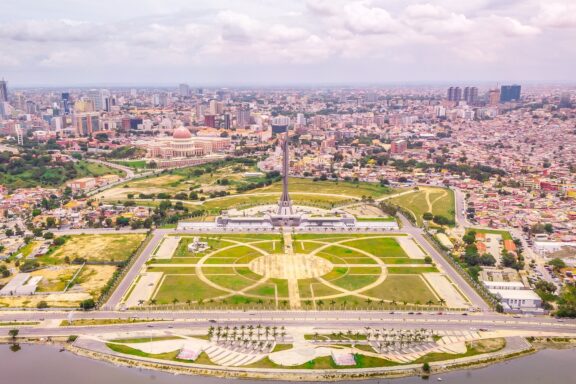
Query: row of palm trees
[[319, 304], [382, 340], [250, 338]]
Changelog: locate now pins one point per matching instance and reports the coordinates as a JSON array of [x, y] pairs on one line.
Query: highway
[[313, 319]]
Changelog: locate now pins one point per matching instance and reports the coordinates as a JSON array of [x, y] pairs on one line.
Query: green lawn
[[355, 282], [85, 168], [505, 234], [331, 187], [381, 247], [411, 270], [441, 202], [411, 289], [183, 288]]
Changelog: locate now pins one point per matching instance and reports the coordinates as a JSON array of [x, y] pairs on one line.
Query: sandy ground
[[410, 247], [493, 245], [446, 290], [54, 300], [99, 247], [94, 277], [55, 278], [365, 210], [167, 247], [144, 288]]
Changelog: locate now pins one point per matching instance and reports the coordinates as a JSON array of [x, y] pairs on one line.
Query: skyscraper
[[565, 100], [184, 90], [493, 97], [3, 91], [280, 124], [471, 95], [242, 117], [66, 102], [454, 94], [510, 93]]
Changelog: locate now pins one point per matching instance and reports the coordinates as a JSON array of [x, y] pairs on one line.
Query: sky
[[286, 42]]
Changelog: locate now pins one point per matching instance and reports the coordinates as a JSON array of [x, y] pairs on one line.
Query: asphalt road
[[417, 233], [317, 320]]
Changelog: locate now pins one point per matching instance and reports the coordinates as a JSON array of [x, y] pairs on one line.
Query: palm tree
[[175, 301], [153, 302]]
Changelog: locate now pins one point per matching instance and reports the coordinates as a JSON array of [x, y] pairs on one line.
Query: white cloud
[[362, 18], [557, 14]]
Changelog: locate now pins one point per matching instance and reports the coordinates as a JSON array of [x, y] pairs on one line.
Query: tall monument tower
[[285, 204]]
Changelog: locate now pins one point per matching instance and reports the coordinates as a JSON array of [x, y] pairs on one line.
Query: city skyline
[[266, 42]]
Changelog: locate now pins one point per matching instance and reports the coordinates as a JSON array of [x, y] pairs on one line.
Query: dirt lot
[[116, 247]]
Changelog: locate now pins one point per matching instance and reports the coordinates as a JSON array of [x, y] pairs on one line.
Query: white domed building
[[175, 150]]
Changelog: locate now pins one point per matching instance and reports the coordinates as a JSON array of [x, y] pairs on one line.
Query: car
[[150, 326], [517, 316], [410, 313], [211, 321], [391, 313], [483, 329], [464, 314], [440, 313]]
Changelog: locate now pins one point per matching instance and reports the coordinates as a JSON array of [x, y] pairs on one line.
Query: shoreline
[[408, 370]]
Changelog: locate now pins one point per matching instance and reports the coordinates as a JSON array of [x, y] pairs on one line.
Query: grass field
[[85, 168], [438, 201], [223, 275], [505, 234], [330, 187]]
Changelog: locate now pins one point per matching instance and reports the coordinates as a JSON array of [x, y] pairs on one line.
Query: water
[[45, 365]]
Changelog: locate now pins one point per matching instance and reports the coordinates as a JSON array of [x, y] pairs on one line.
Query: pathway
[[293, 290]]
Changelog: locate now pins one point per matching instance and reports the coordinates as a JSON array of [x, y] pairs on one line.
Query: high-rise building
[[65, 102], [227, 121], [300, 119], [242, 117], [510, 93], [95, 95], [216, 107], [210, 121], [184, 90], [3, 91], [87, 123], [565, 100], [398, 146], [454, 94], [280, 124], [471, 95], [493, 97]]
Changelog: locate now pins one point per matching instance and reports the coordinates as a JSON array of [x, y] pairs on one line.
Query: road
[[313, 319], [130, 276], [470, 293]]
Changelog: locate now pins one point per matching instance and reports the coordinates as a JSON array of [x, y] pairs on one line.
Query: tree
[[87, 304], [557, 264], [487, 259], [469, 238], [428, 260], [548, 228], [59, 241], [426, 367], [428, 216], [13, 333], [42, 304]]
